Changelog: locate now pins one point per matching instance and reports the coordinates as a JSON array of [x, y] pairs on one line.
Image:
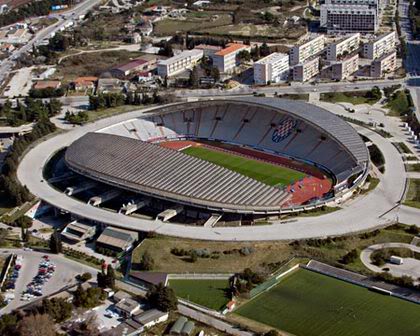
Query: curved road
[[366, 253], [365, 212]]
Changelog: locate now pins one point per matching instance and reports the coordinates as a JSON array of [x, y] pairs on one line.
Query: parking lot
[[64, 275]]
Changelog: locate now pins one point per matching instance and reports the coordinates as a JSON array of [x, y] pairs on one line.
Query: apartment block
[[305, 71], [382, 45], [301, 53], [273, 68], [344, 69], [383, 65], [350, 16], [346, 46], [226, 59], [179, 63], [208, 50]]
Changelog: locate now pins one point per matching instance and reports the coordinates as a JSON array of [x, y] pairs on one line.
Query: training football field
[[261, 171], [306, 303], [213, 294]]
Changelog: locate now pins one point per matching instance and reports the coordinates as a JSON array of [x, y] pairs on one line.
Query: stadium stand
[[271, 129]]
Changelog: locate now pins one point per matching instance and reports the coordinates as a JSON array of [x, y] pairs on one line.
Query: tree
[[376, 93], [106, 279], [36, 325], [194, 77], [162, 298], [55, 243], [88, 298], [350, 257], [24, 222], [244, 56], [146, 263], [264, 50], [57, 308], [84, 277]]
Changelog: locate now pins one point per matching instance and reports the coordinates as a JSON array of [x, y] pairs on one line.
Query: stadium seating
[[243, 125]]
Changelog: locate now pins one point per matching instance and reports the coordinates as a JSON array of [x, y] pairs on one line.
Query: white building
[[382, 45], [273, 68], [306, 70], [346, 46], [226, 59], [301, 53], [350, 16], [384, 65], [179, 63], [344, 69]]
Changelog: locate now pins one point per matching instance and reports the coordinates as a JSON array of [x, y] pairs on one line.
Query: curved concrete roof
[[165, 173]]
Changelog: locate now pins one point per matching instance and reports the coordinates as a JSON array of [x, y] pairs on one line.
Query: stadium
[[245, 156]]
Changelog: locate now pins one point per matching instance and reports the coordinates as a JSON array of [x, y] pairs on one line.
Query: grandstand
[[137, 154]]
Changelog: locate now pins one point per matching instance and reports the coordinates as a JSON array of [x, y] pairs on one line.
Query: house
[[7, 47], [84, 83], [127, 307], [178, 325], [151, 317], [119, 296], [179, 63], [130, 67], [148, 279], [76, 232], [208, 50], [145, 27], [226, 59], [116, 239], [109, 85], [182, 327], [231, 305], [47, 84]]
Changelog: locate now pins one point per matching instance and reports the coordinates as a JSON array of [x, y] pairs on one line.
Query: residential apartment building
[[226, 59], [272, 68], [305, 71], [179, 63], [382, 45], [383, 65], [344, 69], [346, 46], [208, 50], [301, 53], [350, 16]]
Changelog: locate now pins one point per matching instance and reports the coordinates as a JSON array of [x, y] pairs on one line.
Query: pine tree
[[55, 244]]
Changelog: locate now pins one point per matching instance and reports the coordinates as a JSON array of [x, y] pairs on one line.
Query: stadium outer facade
[[126, 156]]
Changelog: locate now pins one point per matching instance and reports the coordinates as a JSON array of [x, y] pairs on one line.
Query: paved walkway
[[410, 267]]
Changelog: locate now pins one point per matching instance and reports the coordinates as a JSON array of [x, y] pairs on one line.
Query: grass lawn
[[194, 21], [267, 256], [355, 98], [213, 294], [413, 195], [267, 173], [413, 167], [398, 104], [310, 304]]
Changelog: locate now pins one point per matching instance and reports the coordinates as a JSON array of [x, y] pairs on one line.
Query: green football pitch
[[306, 303], [261, 171], [209, 293]]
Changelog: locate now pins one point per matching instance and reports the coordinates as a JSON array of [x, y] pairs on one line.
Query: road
[[80, 9], [363, 213], [411, 266]]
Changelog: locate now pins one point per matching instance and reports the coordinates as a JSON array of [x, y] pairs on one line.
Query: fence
[[287, 268]]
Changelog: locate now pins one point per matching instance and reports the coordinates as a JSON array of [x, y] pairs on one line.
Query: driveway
[[410, 267]]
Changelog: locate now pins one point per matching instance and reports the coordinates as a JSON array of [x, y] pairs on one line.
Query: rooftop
[[127, 305], [149, 316], [131, 65], [271, 58], [116, 237], [231, 48], [180, 56], [153, 278]]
